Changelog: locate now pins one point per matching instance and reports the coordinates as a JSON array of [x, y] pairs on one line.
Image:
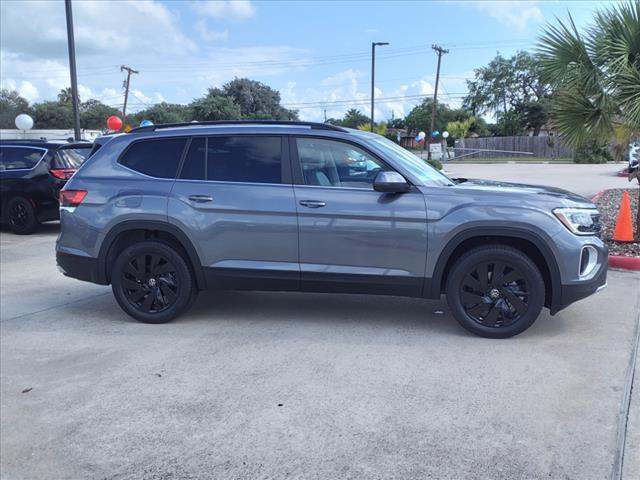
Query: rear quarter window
[[19, 158], [157, 158], [70, 157]]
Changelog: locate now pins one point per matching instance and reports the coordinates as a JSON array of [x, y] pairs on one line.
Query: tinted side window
[[19, 158], [244, 159], [194, 162], [156, 158]]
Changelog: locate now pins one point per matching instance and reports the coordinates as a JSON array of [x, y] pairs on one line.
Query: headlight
[[581, 221]]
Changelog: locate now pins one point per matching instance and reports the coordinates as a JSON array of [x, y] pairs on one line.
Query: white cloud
[[209, 35], [233, 9], [512, 13]]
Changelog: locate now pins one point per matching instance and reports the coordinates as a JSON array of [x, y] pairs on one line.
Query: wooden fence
[[543, 147]]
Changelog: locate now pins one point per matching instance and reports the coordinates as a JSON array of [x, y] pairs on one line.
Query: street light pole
[[373, 75], [72, 69]]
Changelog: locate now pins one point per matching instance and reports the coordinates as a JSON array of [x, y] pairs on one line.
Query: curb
[[619, 261], [624, 262]]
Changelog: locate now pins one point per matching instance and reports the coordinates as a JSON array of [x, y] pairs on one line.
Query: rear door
[[235, 198], [352, 238]]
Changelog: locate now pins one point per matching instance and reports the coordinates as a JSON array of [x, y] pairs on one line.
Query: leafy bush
[[592, 153], [435, 164]]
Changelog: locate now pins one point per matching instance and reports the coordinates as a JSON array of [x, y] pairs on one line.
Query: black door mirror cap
[[391, 182]]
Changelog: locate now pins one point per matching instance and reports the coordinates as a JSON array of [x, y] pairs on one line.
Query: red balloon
[[114, 122]]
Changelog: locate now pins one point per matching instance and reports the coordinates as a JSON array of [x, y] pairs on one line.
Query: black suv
[[32, 172]]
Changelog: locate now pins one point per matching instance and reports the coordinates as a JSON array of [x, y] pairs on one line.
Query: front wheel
[[152, 282], [495, 291]]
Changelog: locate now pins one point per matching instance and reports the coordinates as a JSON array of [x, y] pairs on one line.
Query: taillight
[[72, 198], [63, 173]]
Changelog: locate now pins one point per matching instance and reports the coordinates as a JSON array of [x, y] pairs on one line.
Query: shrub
[[592, 153], [435, 164]]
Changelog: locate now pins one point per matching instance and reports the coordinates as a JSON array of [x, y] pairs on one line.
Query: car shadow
[[48, 228]]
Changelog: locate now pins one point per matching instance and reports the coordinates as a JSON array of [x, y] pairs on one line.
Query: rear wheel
[[22, 216], [495, 291], [152, 282]]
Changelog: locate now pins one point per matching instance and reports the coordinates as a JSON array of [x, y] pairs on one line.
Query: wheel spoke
[[478, 309], [492, 317], [130, 284], [164, 269], [472, 283], [136, 296], [468, 297], [146, 305], [518, 304], [483, 276], [497, 274], [511, 277], [168, 293]]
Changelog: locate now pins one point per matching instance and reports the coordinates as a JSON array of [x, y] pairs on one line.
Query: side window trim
[[296, 164]]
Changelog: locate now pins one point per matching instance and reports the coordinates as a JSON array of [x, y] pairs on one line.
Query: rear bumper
[[82, 268], [572, 293]]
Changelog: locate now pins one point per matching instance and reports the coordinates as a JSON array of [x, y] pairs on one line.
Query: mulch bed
[[608, 204]]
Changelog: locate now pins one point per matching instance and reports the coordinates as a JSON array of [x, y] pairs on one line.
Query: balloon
[[435, 134], [422, 135], [24, 122], [146, 123], [445, 134], [114, 122]]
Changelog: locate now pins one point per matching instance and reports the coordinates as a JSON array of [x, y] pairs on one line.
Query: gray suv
[[168, 210]]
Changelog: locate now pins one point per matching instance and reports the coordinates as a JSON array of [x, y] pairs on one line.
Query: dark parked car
[[32, 172], [169, 210]]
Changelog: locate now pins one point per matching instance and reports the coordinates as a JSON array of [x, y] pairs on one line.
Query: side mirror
[[390, 182]]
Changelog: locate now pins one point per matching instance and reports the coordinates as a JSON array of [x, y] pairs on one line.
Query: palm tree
[[596, 75]]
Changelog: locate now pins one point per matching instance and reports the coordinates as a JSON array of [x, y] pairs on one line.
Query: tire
[[152, 282], [506, 302], [22, 216]]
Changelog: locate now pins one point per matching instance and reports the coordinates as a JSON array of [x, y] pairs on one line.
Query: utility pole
[[126, 90], [72, 70], [439, 51], [325, 115], [373, 74]]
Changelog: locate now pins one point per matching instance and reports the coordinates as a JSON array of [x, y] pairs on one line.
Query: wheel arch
[[529, 242], [131, 231]]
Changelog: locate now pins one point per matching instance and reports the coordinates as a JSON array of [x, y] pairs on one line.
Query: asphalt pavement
[[292, 385]]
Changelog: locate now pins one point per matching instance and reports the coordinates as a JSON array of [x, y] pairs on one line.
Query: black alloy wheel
[[495, 291], [152, 282], [495, 294], [22, 216]]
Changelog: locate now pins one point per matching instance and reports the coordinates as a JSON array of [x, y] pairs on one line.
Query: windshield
[[414, 164]]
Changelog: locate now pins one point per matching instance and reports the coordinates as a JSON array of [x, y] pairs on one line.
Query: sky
[[317, 54]]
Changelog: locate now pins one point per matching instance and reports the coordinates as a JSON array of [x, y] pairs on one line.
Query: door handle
[[200, 198], [312, 203]]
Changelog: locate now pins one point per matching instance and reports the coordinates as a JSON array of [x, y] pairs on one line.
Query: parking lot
[[283, 385]]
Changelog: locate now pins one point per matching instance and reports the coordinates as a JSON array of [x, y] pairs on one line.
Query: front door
[[352, 238], [234, 195]]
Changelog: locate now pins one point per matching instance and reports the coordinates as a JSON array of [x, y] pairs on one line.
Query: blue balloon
[[146, 123], [435, 133]]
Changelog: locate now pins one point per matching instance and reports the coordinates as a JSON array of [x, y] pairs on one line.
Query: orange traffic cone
[[624, 226]]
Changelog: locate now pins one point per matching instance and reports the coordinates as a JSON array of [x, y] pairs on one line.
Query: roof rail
[[318, 126]]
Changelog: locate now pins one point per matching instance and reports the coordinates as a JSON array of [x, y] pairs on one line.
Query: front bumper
[[572, 293]]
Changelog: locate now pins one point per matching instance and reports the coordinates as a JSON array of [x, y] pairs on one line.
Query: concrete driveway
[[282, 385], [586, 180]]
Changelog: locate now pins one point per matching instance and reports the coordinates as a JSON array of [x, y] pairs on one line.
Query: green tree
[[596, 75], [215, 107], [511, 89], [52, 115], [94, 114], [163, 113], [255, 99], [419, 118], [12, 105], [65, 96], [353, 118]]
